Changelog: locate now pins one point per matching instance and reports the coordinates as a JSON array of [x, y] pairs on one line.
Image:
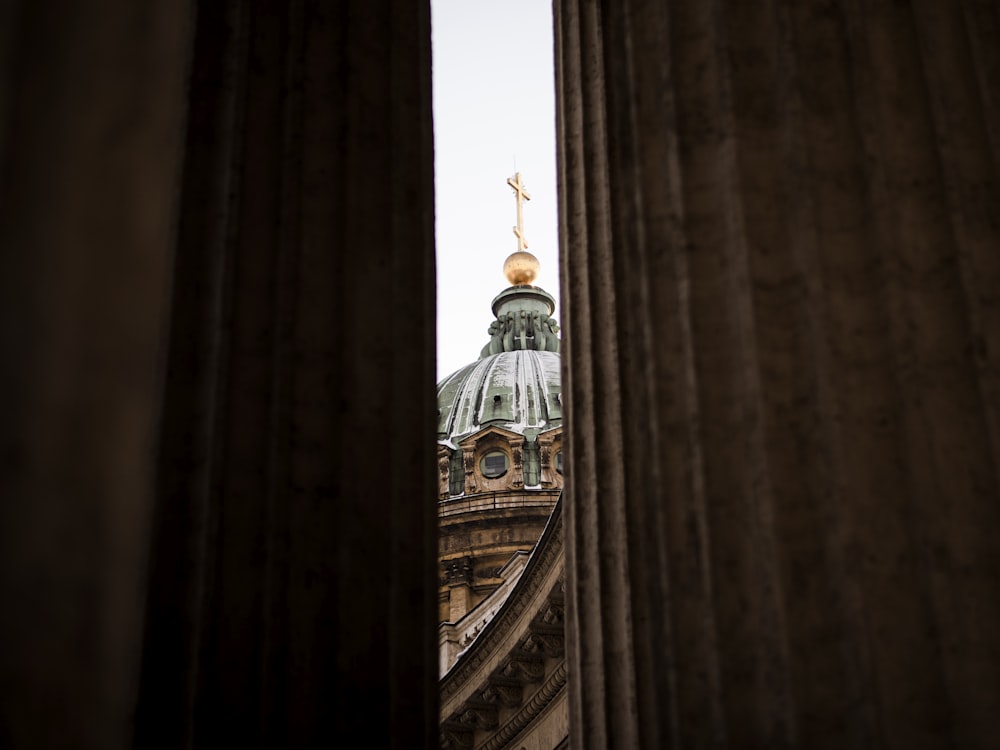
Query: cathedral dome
[[499, 454], [515, 383], [517, 390], [500, 417]]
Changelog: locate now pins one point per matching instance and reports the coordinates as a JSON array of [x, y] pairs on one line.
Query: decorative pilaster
[[549, 444], [444, 472], [469, 461], [517, 453]]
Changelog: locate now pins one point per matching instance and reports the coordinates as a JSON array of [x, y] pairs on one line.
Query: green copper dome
[[518, 390], [515, 384]]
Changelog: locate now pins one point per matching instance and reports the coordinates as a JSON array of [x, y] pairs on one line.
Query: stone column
[[292, 595], [91, 128], [217, 522], [781, 294]]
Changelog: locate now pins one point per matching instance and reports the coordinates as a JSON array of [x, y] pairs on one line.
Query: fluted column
[[217, 483], [292, 594], [91, 124], [781, 300]]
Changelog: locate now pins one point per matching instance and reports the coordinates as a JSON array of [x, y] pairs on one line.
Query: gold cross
[[521, 196]]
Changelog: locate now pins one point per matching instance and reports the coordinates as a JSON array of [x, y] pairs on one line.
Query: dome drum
[[495, 460], [509, 401]]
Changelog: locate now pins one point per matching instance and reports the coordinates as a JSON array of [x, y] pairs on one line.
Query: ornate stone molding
[[508, 695], [549, 444], [549, 644], [545, 566], [531, 709], [455, 739], [458, 572], [480, 717], [523, 668], [444, 471], [487, 501], [517, 661]]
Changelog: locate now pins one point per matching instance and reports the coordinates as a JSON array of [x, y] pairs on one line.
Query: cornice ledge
[[542, 698], [498, 630]]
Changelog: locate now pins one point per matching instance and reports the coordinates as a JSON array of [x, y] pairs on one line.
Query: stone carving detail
[[553, 615], [509, 696], [507, 326], [551, 555], [529, 711], [444, 472], [549, 444], [480, 717], [523, 668], [469, 454], [455, 739], [549, 644], [545, 458], [495, 346], [470, 635], [459, 571], [520, 331], [493, 439]]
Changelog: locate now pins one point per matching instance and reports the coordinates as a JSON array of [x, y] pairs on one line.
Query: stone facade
[[502, 409], [499, 449], [478, 536], [500, 477], [508, 687]]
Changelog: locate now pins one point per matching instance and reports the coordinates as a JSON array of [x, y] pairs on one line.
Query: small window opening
[[494, 464]]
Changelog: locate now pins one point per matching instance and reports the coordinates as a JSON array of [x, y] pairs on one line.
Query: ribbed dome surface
[[516, 390]]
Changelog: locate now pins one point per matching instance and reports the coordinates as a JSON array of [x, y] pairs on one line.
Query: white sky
[[494, 106]]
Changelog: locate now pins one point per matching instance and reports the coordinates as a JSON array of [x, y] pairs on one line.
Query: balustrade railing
[[497, 501]]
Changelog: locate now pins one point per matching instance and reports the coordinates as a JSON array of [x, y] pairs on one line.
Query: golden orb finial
[[521, 268]]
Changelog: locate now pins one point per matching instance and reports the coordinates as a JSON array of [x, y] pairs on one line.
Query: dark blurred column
[[216, 492], [91, 111], [781, 292], [293, 598]]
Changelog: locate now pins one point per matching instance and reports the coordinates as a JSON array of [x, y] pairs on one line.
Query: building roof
[[515, 383]]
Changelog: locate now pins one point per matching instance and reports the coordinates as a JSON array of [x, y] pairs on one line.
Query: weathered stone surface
[[783, 434], [91, 123], [516, 663], [297, 440], [196, 375]]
